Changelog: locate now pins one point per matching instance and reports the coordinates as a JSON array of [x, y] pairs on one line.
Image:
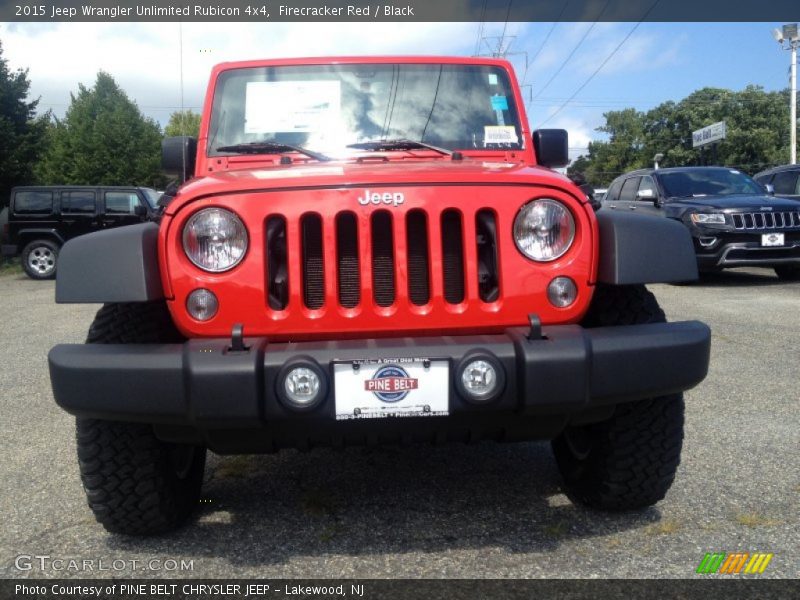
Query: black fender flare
[[28, 235], [116, 265], [638, 249]]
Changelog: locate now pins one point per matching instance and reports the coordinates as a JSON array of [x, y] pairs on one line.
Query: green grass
[[664, 527], [10, 267], [754, 519]]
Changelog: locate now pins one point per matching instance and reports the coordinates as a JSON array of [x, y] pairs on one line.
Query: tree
[[755, 119], [103, 139], [22, 134], [185, 122]]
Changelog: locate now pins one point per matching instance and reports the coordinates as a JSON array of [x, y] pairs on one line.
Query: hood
[[740, 203], [371, 173]]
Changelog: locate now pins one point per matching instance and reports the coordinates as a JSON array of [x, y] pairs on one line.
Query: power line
[[549, 33], [480, 30], [574, 50], [603, 64]]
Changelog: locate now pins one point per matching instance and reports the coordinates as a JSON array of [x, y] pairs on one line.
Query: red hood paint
[[371, 173]]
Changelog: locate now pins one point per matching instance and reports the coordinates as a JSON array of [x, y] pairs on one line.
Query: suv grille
[[393, 256], [766, 220]]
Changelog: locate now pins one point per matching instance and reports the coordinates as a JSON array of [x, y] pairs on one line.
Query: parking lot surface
[[483, 510]]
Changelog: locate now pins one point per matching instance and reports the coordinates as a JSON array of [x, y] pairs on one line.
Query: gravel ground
[[487, 510]]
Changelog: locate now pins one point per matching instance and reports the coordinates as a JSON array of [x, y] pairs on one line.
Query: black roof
[[778, 169], [79, 187], [651, 171]]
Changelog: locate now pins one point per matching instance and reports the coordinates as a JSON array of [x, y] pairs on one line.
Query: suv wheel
[[39, 259], [788, 272], [135, 483], [628, 461]]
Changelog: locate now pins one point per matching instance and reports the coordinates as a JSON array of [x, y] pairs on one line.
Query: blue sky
[[659, 61]]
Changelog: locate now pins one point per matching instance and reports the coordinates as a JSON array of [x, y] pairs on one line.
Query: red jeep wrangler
[[367, 251]]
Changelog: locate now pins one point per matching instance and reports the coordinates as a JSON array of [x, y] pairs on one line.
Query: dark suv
[[40, 219], [784, 181], [733, 220]]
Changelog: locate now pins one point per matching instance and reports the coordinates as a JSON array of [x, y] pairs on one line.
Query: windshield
[[327, 107], [708, 182], [152, 196]]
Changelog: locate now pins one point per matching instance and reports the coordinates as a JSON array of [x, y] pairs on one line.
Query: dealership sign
[[709, 135]]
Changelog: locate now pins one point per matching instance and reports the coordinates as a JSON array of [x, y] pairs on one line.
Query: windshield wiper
[[399, 144], [269, 147]]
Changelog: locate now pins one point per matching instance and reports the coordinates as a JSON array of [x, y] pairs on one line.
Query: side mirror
[[770, 189], [552, 147], [140, 211], [178, 156]]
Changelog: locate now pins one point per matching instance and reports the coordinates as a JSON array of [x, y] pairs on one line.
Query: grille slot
[[313, 265], [419, 285], [486, 239], [452, 256], [383, 285], [766, 220], [277, 267], [349, 278]]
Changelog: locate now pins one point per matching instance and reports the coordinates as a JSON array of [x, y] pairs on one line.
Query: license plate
[[401, 387], [772, 239]]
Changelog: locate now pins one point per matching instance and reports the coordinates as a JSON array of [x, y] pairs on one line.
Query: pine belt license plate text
[[772, 239], [402, 387]]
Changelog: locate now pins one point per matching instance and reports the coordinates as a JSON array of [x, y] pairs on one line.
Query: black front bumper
[[742, 249], [201, 391]]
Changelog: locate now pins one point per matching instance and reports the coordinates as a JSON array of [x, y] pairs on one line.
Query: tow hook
[[237, 339]]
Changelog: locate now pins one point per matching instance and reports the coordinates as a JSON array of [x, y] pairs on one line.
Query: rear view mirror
[[178, 155], [552, 147]]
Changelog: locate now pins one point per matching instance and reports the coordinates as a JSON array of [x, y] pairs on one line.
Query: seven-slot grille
[[390, 256], [766, 220]]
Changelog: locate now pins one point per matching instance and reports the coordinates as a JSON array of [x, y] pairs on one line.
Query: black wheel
[[135, 483], [628, 461], [39, 259], [788, 272]]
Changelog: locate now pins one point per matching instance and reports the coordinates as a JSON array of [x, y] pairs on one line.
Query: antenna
[[181, 114]]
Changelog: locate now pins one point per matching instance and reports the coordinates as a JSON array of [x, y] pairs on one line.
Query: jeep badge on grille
[[395, 198]]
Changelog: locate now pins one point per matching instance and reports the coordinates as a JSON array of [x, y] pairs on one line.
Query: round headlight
[[544, 230], [215, 239]]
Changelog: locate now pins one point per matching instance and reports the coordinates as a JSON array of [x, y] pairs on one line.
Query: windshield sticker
[[499, 103], [291, 106], [295, 172], [492, 78], [499, 134]]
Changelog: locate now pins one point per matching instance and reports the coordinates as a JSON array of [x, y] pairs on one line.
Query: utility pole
[[789, 34]]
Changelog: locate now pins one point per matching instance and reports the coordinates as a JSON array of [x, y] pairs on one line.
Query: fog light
[[562, 292], [202, 304], [301, 385], [480, 378]]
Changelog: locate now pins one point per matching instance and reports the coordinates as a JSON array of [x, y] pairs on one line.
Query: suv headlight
[[215, 239], [544, 230], [708, 218]]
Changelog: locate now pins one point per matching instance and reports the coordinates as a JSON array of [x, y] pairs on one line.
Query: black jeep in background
[[733, 220], [40, 219], [784, 181]]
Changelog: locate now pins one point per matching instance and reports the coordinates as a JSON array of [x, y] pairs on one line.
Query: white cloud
[[144, 58]]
